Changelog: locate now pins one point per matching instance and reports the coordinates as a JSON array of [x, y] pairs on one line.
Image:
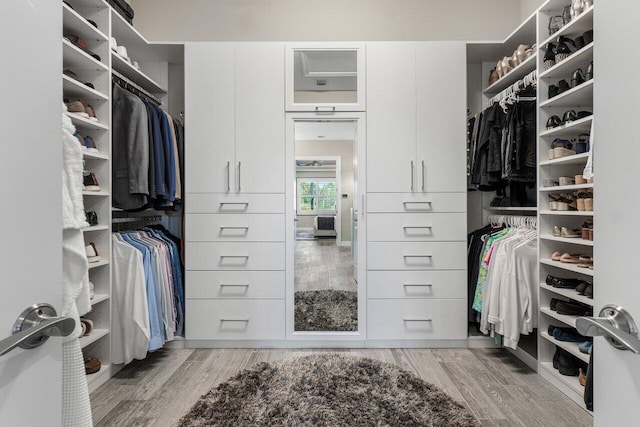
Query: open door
[[30, 168]]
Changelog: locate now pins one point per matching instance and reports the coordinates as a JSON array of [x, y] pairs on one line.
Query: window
[[316, 195]]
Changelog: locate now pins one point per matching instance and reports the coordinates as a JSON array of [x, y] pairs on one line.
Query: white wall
[[527, 7], [344, 149], [329, 20]]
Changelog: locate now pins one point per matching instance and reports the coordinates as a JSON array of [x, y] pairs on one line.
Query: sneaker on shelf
[[90, 144], [92, 217], [92, 253], [90, 182], [91, 365]]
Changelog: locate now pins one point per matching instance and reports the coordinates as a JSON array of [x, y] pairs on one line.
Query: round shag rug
[[326, 310], [327, 390]]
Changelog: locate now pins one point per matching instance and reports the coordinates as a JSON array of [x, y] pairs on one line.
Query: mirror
[[326, 290], [325, 77]]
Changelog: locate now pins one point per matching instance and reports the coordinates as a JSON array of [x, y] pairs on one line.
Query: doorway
[[323, 293]]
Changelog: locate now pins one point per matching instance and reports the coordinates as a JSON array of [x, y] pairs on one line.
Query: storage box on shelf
[[577, 98]]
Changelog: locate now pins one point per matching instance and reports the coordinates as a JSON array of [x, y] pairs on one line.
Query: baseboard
[[328, 344], [528, 359], [102, 376], [345, 243], [178, 342], [417, 343]]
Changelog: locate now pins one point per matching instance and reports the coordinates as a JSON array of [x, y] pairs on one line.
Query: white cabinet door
[[209, 104], [391, 117], [259, 119], [441, 106]]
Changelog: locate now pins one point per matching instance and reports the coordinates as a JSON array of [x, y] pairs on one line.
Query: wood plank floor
[[321, 264], [498, 388]]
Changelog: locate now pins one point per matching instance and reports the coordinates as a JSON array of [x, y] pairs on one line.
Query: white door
[[441, 133], [210, 106], [391, 117], [260, 138], [30, 168], [616, 204]]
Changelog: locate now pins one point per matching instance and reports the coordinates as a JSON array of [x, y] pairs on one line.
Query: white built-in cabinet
[[416, 194]]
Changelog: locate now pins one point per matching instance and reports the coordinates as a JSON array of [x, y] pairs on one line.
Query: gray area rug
[[327, 390], [326, 310]]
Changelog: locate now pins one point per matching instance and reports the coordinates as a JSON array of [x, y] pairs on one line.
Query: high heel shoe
[[577, 78]]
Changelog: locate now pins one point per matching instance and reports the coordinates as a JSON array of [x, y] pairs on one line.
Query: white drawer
[[417, 227], [416, 202], [234, 256], [235, 319], [416, 256], [235, 284], [234, 203], [234, 228], [416, 319], [417, 284]]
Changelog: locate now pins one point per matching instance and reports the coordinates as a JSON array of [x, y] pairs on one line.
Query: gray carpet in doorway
[[326, 310], [327, 390]]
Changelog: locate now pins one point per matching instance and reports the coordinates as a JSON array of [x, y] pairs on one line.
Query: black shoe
[[92, 217], [553, 303], [554, 121], [577, 78], [559, 282], [583, 114], [579, 41], [588, 37], [563, 86], [553, 91], [567, 364], [588, 292], [573, 308], [589, 74], [569, 117]]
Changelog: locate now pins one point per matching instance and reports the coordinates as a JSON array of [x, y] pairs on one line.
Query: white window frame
[[316, 180]]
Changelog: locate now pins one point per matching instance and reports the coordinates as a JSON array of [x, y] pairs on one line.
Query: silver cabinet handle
[[411, 175], [234, 256], [234, 203], [34, 326], [617, 326], [222, 285], [416, 284], [416, 203], [325, 109], [228, 176], [413, 227], [234, 320], [417, 256], [423, 176], [223, 227], [239, 176], [417, 320]]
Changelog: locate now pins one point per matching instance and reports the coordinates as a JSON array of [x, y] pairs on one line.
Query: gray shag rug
[[326, 310], [327, 390]]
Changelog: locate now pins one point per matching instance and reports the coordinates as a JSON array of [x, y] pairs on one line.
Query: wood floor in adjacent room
[[498, 388], [322, 264]]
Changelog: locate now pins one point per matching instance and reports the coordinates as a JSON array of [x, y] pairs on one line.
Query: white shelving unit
[[579, 98]]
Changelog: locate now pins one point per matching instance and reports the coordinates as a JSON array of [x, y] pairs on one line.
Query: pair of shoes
[[565, 334], [587, 230], [584, 201], [565, 362], [91, 365], [87, 326], [562, 202], [75, 77], [570, 308], [87, 143], [555, 90], [586, 347], [583, 144], [82, 45], [92, 217], [78, 108], [559, 282], [90, 181], [92, 253], [567, 258], [585, 289], [568, 117]]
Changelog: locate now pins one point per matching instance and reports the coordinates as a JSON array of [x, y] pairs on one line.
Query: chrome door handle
[[411, 175], [423, 176], [239, 176], [228, 176], [34, 326], [615, 324]]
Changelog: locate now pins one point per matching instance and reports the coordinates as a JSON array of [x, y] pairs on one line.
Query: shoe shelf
[[511, 209], [562, 69], [567, 213], [511, 77], [94, 336], [566, 187], [575, 28], [570, 382], [570, 129], [579, 96], [74, 88], [98, 299], [571, 347], [74, 23], [95, 228], [573, 241], [564, 318], [75, 59], [100, 263], [95, 156], [92, 378], [576, 159], [84, 123], [567, 266], [568, 293], [122, 66], [96, 193]]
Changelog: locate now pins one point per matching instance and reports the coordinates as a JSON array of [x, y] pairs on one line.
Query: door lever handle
[[34, 327], [615, 324]]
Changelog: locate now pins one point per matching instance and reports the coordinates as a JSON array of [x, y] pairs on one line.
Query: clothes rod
[[514, 220], [529, 79], [135, 86]]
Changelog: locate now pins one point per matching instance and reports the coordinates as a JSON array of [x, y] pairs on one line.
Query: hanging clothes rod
[[142, 91], [511, 91], [514, 220], [128, 223]]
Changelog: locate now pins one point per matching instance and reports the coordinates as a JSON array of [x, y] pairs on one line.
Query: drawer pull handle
[[417, 320], [234, 320], [416, 203], [222, 227], [234, 256], [222, 285], [416, 284], [416, 227], [234, 203], [418, 256]]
